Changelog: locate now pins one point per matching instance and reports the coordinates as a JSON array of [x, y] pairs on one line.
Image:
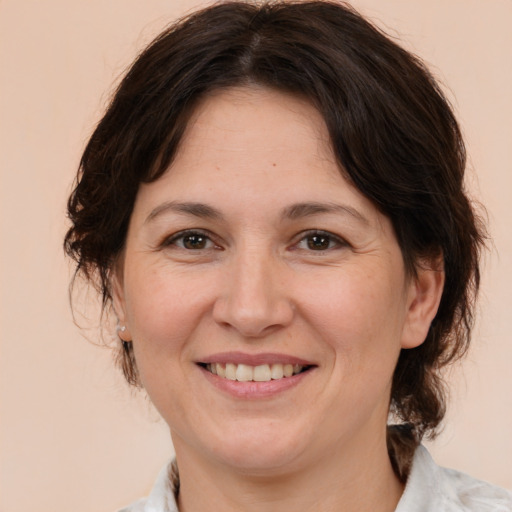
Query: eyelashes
[[320, 241], [197, 241], [191, 240]]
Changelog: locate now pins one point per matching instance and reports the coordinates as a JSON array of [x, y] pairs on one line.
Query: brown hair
[[391, 128]]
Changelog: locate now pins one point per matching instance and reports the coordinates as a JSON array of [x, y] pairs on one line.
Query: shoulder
[[137, 506], [162, 496], [475, 494], [431, 488]]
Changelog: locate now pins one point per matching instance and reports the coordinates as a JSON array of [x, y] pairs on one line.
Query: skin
[[255, 278]]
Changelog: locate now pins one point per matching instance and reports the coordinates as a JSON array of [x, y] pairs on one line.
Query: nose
[[253, 297]]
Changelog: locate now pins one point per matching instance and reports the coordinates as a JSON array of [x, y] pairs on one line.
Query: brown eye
[[319, 242], [190, 241], [195, 241]]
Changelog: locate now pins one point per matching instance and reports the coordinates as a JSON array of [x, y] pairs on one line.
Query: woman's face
[[252, 258]]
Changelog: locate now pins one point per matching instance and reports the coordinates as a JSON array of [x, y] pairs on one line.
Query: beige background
[[71, 435]]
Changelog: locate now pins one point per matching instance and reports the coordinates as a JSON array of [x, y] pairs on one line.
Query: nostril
[[251, 321]]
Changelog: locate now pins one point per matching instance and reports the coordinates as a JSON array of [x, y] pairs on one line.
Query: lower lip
[[255, 390]]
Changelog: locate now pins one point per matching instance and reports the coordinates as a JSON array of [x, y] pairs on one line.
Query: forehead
[[255, 122], [253, 131], [254, 150]]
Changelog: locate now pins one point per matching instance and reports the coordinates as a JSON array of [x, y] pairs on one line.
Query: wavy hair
[[392, 131]]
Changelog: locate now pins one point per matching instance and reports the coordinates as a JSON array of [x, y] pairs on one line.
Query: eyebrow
[[199, 210], [309, 209], [292, 212]]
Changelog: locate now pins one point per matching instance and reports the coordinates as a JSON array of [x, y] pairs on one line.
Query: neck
[[358, 479]]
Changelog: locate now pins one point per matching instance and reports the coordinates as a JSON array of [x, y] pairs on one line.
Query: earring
[[125, 343]]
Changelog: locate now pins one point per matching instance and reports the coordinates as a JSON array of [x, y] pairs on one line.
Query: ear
[[424, 295], [119, 302]]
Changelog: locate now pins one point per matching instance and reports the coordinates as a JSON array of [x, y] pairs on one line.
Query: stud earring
[[125, 343]]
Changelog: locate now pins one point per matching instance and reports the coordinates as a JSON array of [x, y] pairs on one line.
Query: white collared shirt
[[429, 488]]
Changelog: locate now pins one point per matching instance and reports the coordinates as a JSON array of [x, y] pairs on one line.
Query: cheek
[[359, 315], [164, 309], [165, 313]]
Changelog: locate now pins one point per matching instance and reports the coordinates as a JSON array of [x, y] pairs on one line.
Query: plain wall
[[72, 436]]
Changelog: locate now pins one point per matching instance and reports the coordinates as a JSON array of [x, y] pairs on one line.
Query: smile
[[259, 373]]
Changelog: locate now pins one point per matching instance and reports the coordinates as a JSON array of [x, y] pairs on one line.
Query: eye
[[320, 241], [191, 240]]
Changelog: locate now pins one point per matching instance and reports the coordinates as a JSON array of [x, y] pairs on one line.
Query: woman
[[273, 205]]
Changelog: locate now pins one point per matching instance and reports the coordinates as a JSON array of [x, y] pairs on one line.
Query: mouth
[[264, 376], [258, 373]]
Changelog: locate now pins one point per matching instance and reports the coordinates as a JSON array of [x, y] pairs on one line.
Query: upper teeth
[[260, 373]]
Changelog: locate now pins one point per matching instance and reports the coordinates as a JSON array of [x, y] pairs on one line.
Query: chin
[[258, 449], [261, 460]]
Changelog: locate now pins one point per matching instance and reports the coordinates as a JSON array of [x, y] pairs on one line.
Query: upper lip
[[254, 359]]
